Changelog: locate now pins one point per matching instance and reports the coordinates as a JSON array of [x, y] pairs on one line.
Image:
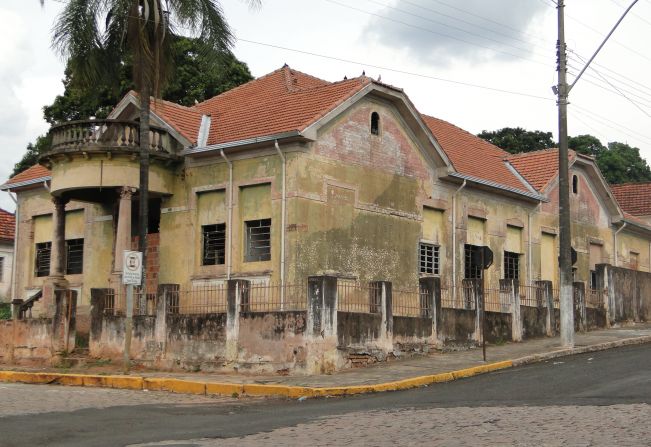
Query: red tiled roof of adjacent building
[[634, 198], [185, 120], [473, 156], [539, 168], [32, 173], [7, 225]]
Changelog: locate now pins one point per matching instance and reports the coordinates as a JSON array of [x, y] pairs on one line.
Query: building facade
[[290, 176]]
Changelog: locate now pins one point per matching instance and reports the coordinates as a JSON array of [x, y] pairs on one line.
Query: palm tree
[[95, 36]]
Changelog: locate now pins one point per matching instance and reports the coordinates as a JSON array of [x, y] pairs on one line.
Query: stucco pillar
[[57, 253], [123, 232]]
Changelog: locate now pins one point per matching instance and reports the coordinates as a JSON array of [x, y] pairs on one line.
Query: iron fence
[[205, 298], [115, 302], [556, 298], [411, 303], [497, 299], [353, 296], [532, 295], [458, 297], [594, 298], [268, 297]]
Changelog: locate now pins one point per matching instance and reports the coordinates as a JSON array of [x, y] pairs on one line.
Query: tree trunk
[[144, 177]]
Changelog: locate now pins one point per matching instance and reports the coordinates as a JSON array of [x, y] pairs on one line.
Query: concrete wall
[[628, 293], [26, 342]]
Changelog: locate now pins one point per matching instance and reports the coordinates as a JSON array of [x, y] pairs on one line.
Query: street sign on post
[[132, 268], [131, 276]]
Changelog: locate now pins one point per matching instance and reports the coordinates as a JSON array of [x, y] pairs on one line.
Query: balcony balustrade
[[110, 136]]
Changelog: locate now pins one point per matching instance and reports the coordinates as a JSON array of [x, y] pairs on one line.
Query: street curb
[[289, 391]]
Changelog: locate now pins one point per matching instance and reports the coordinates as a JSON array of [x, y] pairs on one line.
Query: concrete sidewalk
[[393, 375]]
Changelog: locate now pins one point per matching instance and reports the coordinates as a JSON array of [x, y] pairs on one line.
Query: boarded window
[[255, 202], [634, 259], [214, 244], [513, 241], [433, 224], [257, 240], [211, 207], [511, 265], [74, 256], [475, 233], [548, 258], [428, 259], [75, 224], [43, 251]]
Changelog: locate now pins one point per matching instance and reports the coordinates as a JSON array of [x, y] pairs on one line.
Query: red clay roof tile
[[472, 155], [539, 168], [7, 225], [32, 173], [634, 198]]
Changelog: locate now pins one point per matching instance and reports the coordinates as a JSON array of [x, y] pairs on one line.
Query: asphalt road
[[600, 398]]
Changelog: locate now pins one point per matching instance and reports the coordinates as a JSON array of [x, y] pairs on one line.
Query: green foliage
[[622, 163], [586, 144], [34, 150], [5, 311], [198, 74], [618, 162], [517, 139]]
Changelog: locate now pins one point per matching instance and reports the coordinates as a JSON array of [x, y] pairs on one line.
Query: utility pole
[[565, 236], [565, 239]]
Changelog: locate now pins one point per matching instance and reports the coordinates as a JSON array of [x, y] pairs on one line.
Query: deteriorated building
[[289, 176]]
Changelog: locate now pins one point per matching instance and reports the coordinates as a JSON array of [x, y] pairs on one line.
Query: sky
[[479, 64]]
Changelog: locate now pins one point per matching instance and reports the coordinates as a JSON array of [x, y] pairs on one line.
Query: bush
[[5, 311]]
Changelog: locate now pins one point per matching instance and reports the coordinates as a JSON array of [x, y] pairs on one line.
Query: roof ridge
[[528, 153], [617, 185]]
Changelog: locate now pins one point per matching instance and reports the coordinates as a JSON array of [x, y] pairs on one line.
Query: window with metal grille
[[43, 250], [428, 259], [74, 256], [511, 265], [258, 240], [214, 244], [2, 269], [472, 257]]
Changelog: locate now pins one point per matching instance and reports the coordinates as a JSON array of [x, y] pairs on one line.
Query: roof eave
[[484, 182], [10, 186], [245, 142]]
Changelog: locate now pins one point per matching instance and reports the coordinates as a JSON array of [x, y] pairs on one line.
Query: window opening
[[428, 259], [511, 265], [214, 244], [2, 268], [472, 256], [575, 184], [593, 279], [74, 256], [43, 250], [375, 123], [258, 240]]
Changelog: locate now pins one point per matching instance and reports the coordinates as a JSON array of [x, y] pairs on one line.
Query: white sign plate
[[132, 268]]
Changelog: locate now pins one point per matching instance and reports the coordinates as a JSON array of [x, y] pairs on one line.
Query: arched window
[[575, 184], [375, 123]]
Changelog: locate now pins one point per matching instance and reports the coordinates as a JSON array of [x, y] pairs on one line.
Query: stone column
[[57, 253], [123, 233], [56, 283]]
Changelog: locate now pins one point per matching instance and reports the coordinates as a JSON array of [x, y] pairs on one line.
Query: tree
[[198, 74], [586, 144], [621, 163], [96, 35], [517, 139]]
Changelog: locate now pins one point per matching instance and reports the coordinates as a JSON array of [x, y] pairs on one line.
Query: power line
[[618, 126], [597, 82], [395, 70], [434, 32], [475, 25]]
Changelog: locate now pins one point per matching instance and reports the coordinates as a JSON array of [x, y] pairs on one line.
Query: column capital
[[59, 202], [126, 192]]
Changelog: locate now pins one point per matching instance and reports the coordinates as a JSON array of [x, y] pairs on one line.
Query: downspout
[[282, 224], [230, 214], [13, 258], [454, 241], [615, 242]]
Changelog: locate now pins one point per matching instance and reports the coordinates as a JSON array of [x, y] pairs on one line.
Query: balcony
[[92, 155], [109, 137]]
